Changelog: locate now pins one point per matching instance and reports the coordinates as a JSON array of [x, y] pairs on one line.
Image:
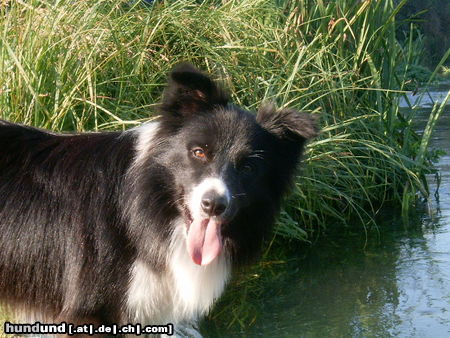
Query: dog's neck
[[184, 291]]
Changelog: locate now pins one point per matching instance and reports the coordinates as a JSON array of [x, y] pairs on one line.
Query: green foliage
[[415, 75], [99, 64], [445, 71], [431, 18], [102, 64]]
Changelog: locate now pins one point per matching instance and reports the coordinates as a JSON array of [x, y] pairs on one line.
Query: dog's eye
[[199, 153]]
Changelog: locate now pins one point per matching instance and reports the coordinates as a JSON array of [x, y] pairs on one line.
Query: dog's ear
[[190, 91], [288, 124]]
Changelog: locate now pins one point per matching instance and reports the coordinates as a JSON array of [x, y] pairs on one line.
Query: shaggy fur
[[144, 225]]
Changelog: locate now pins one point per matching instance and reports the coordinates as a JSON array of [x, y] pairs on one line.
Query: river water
[[393, 281]]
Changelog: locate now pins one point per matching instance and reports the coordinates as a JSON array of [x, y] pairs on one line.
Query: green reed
[[95, 65]]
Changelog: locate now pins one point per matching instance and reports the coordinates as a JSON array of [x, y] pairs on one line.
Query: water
[[390, 282]]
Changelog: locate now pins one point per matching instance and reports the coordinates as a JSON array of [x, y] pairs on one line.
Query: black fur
[[77, 210]]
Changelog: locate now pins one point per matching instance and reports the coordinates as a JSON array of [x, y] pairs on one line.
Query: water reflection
[[393, 281], [396, 284]]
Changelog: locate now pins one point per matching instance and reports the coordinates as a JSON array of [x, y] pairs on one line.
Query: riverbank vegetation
[[101, 65], [94, 65]]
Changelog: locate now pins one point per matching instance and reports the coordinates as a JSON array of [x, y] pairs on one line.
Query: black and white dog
[[143, 225]]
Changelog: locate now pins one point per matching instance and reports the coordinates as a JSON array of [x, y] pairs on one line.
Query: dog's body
[[144, 225]]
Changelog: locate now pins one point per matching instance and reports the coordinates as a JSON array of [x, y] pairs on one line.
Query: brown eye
[[199, 153]]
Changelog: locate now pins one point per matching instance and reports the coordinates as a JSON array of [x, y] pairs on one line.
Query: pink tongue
[[204, 241]]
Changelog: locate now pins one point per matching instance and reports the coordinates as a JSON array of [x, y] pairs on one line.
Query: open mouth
[[204, 238]]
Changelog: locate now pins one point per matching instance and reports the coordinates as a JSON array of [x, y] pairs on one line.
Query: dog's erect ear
[[190, 91], [288, 124]]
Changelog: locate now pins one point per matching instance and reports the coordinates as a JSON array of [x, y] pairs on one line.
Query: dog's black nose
[[214, 204]]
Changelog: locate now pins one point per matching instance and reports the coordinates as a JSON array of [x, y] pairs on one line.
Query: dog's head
[[231, 167]]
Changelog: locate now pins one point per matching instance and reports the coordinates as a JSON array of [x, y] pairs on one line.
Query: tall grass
[[101, 64], [98, 64]]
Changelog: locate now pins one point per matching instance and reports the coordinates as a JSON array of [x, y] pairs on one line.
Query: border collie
[[142, 226]]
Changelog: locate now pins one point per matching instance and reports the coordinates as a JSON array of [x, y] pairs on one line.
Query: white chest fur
[[183, 293]]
